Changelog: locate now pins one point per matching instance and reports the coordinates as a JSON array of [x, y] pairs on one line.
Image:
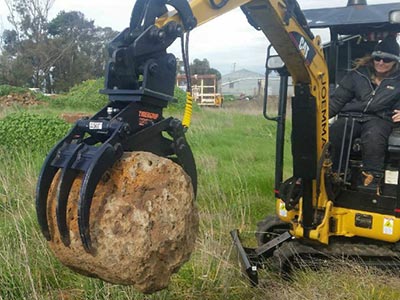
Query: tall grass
[[235, 160]]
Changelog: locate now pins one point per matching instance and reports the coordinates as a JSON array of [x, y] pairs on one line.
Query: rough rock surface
[[143, 223]]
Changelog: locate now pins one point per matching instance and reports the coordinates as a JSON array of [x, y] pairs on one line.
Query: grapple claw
[[131, 121], [46, 177], [42, 190], [67, 178], [104, 158], [92, 147], [183, 151]]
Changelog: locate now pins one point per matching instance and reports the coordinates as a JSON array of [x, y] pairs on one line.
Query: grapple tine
[[104, 159], [66, 180], [46, 177], [42, 191], [183, 152], [186, 160]]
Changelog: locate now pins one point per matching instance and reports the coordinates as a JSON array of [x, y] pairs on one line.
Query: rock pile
[[24, 99]]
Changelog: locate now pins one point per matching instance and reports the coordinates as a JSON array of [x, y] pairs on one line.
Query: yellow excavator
[[317, 213]]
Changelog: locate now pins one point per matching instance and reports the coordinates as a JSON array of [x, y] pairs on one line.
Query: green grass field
[[234, 150]]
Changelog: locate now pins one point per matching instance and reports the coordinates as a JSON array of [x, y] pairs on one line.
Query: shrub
[[178, 106], [6, 89], [84, 96], [229, 98], [31, 132]]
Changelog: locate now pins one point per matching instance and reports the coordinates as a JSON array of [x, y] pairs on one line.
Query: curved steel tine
[[45, 180], [66, 180], [186, 159], [46, 177], [184, 152], [104, 159]]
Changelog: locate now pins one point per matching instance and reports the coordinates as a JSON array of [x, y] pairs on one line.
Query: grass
[[234, 151]]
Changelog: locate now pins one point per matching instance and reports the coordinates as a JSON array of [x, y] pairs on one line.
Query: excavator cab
[[354, 32]]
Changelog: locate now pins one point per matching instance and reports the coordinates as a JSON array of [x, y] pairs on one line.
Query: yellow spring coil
[[187, 115]]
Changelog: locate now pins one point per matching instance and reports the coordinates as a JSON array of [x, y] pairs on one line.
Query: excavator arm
[[140, 80]]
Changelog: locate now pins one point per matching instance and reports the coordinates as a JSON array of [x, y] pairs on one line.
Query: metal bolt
[[153, 67]]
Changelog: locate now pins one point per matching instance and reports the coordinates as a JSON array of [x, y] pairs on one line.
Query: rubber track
[[296, 254]]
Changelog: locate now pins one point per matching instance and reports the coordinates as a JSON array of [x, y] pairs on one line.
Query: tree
[[29, 18], [202, 67], [83, 45], [26, 45], [51, 55], [9, 41]]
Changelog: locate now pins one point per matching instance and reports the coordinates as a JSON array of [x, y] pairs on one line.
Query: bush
[[84, 96], [31, 132], [6, 89], [229, 98], [178, 106]]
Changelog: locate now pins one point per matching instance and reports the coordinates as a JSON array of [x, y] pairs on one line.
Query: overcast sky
[[227, 42]]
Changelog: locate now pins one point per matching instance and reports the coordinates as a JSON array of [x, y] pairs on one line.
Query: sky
[[229, 43]]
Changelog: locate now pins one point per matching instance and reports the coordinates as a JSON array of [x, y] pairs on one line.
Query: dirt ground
[[29, 99], [73, 117], [25, 99]]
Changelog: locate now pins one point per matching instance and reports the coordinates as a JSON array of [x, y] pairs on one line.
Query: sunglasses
[[384, 59]]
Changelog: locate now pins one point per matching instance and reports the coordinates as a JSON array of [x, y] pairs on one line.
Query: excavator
[[318, 213]]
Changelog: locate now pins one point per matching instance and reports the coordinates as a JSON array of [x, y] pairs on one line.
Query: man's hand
[[396, 116]]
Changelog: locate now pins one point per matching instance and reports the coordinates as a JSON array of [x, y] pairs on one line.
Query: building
[[242, 83], [248, 84]]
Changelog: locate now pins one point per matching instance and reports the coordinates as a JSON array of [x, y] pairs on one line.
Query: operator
[[370, 95]]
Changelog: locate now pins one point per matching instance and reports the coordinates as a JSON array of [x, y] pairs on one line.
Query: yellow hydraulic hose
[[187, 115]]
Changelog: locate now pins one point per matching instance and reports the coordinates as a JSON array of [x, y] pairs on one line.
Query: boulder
[[143, 223]]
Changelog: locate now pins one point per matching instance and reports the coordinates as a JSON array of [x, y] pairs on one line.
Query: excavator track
[[304, 254], [299, 254]]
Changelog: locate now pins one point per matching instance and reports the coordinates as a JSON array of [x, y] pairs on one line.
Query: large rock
[[143, 223]]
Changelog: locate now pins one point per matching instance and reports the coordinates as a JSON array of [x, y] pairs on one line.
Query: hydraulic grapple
[[139, 81]]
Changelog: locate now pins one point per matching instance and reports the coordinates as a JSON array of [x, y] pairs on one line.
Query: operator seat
[[394, 143], [393, 148]]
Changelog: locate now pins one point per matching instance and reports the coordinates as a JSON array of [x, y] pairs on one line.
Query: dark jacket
[[357, 94]]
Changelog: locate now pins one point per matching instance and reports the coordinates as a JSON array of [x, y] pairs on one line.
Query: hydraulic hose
[[187, 115]]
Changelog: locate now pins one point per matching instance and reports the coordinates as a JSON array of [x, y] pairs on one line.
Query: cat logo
[[303, 45]]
